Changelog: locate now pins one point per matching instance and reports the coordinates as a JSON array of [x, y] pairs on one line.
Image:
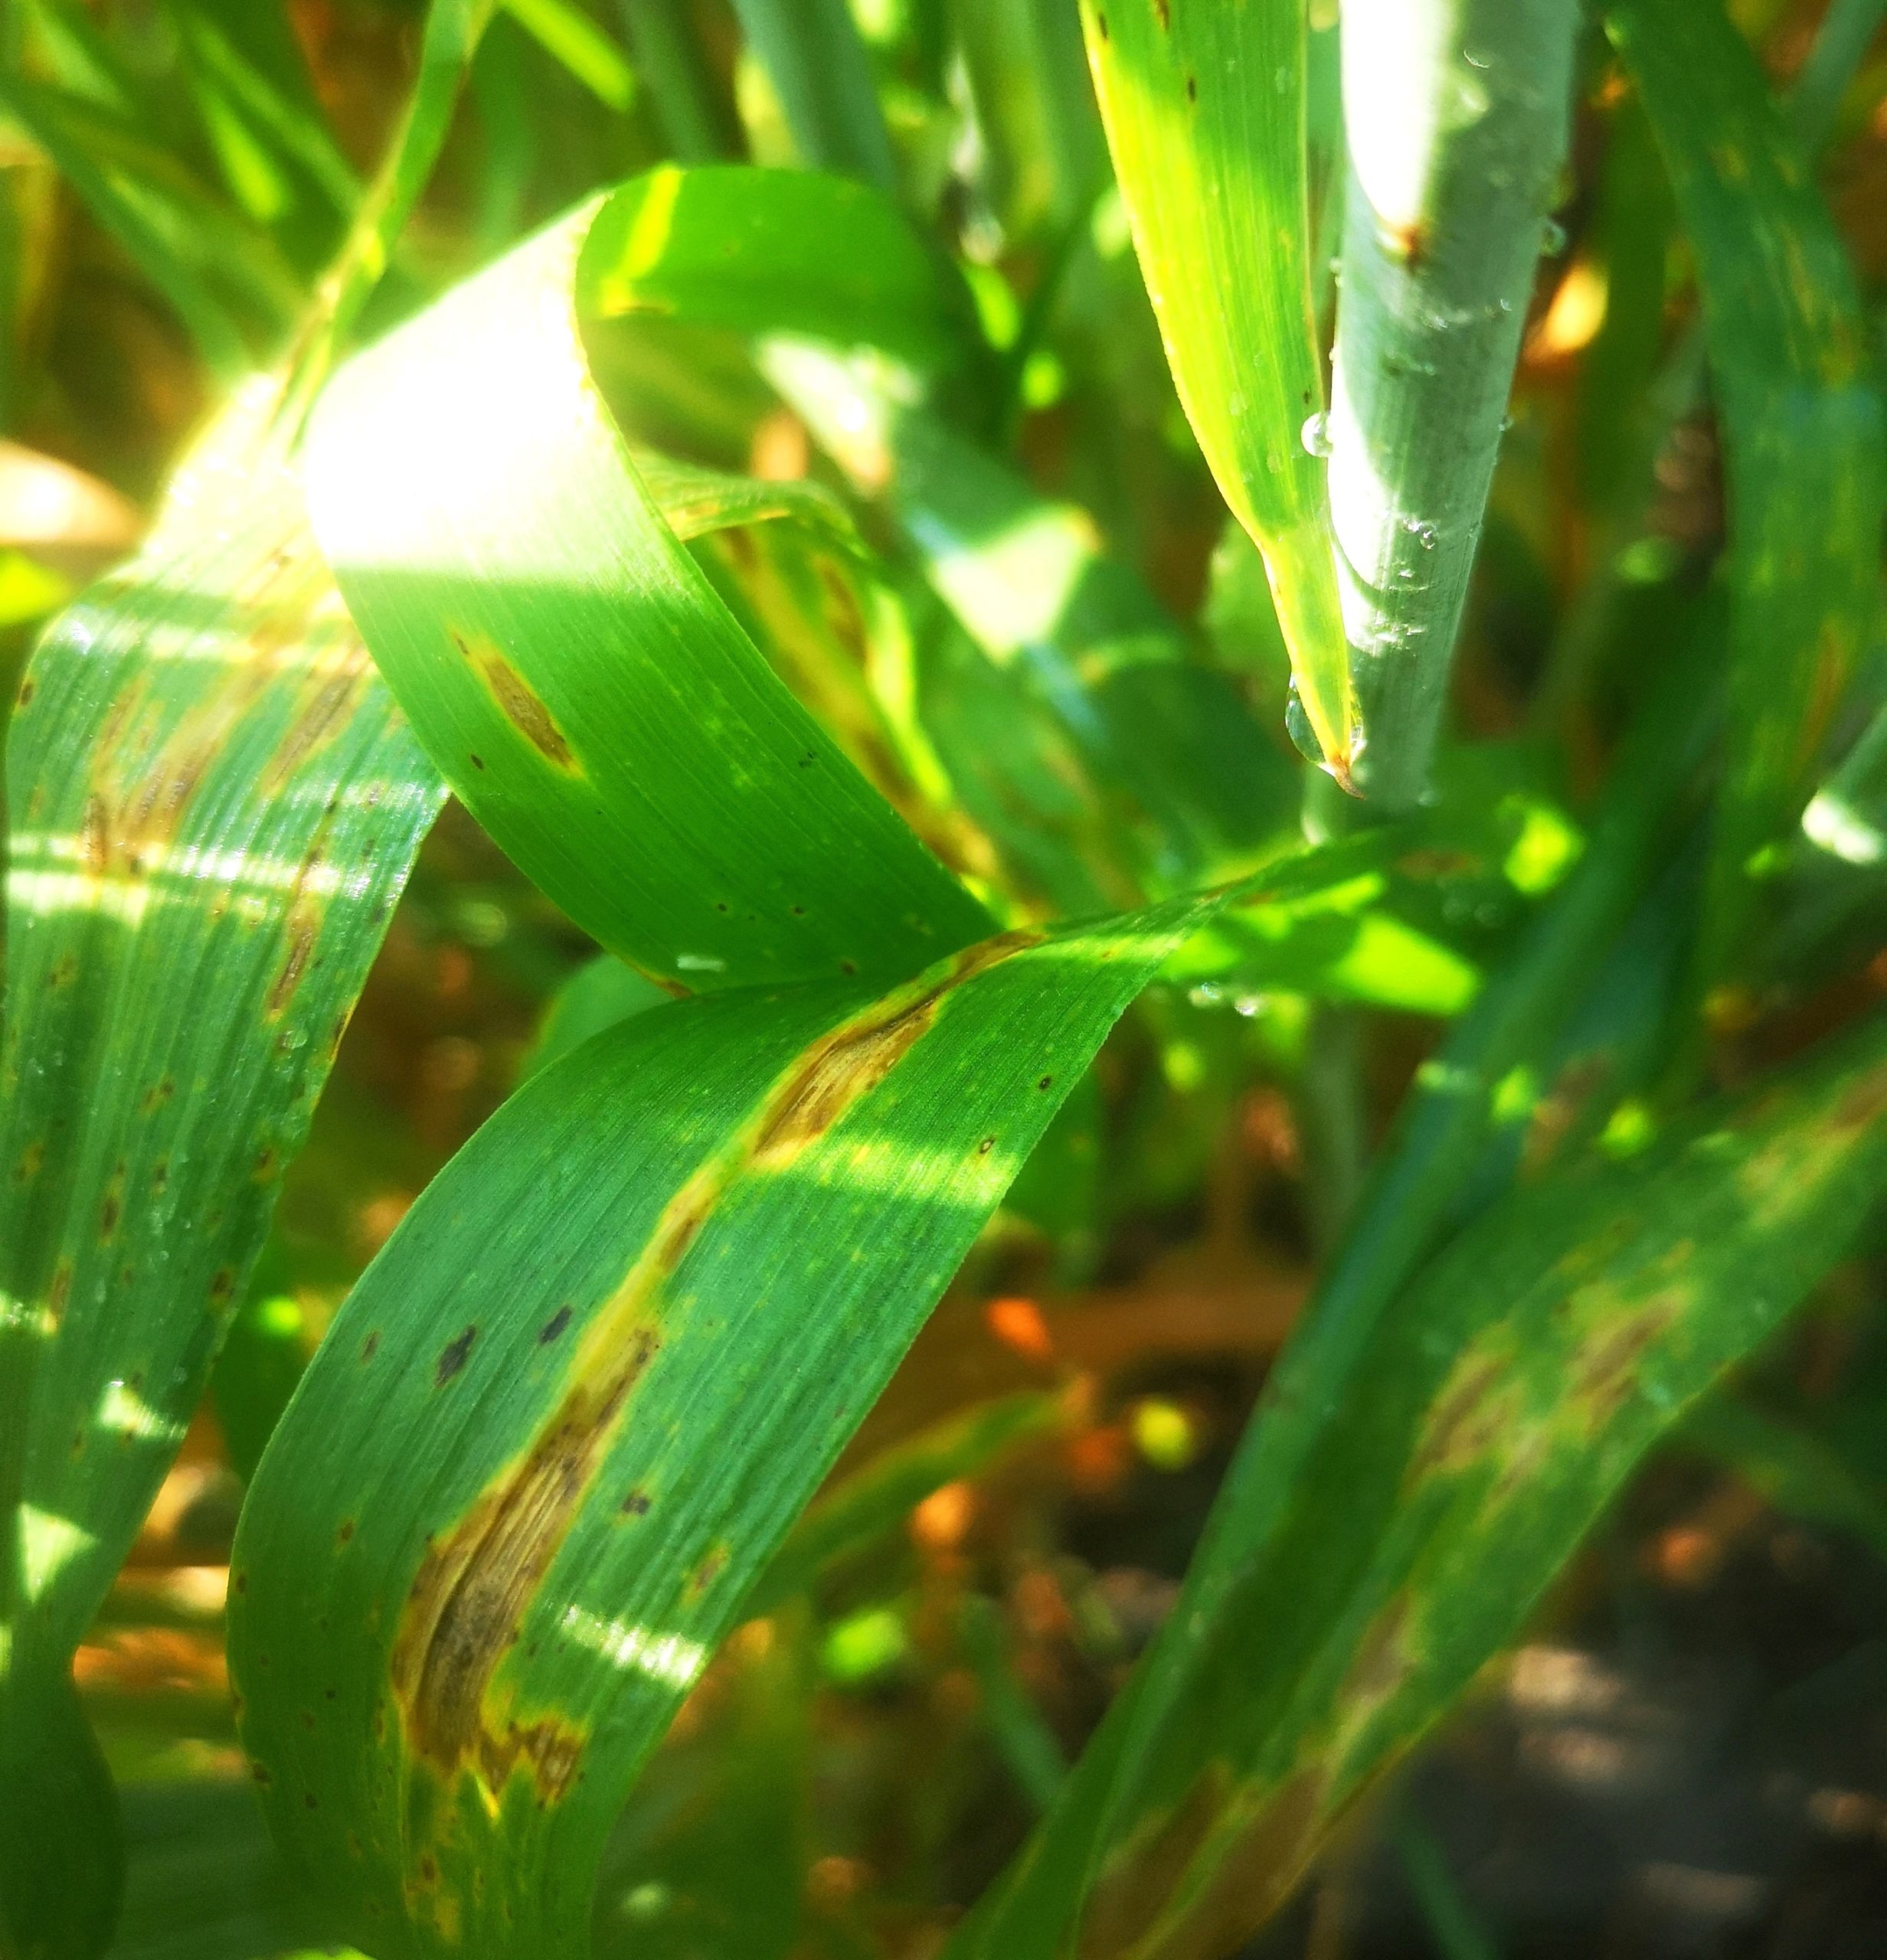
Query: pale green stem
[[1456, 112]]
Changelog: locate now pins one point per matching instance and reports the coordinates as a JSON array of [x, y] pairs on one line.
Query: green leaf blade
[[614, 1350], [216, 803], [1804, 423], [570, 669], [1204, 107]]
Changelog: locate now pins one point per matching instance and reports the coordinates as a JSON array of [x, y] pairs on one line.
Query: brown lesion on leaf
[[453, 1356], [477, 1581], [303, 933], [706, 1571], [324, 711], [517, 701], [111, 1210], [1605, 1371], [30, 1160], [1163, 13], [1254, 1841], [95, 837], [849, 1063], [1474, 1408], [1264, 1843], [60, 1291], [1863, 1102], [469, 1600]]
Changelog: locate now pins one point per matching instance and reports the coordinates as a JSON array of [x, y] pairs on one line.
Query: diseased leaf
[[561, 1424], [564, 658], [1801, 410], [1204, 106], [215, 803], [1424, 1178], [1495, 1413]]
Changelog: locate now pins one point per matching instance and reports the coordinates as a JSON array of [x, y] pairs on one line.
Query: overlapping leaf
[[637, 1317]]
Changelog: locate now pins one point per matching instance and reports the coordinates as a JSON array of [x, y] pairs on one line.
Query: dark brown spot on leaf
[[554, 1327], [452, 1356]]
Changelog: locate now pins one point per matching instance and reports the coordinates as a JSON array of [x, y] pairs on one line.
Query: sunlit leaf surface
[[217, 804], [1204, 110]]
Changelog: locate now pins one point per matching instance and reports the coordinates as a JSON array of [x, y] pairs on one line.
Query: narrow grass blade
[[1500, 1410], [1456, 115], [663, 41], [214, 802], [1204, 113], [153, 213], [1803, 432], [878, 1497], [258, 110], [453, 30]]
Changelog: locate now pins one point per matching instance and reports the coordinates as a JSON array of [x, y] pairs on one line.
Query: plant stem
[[1456, 113]]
